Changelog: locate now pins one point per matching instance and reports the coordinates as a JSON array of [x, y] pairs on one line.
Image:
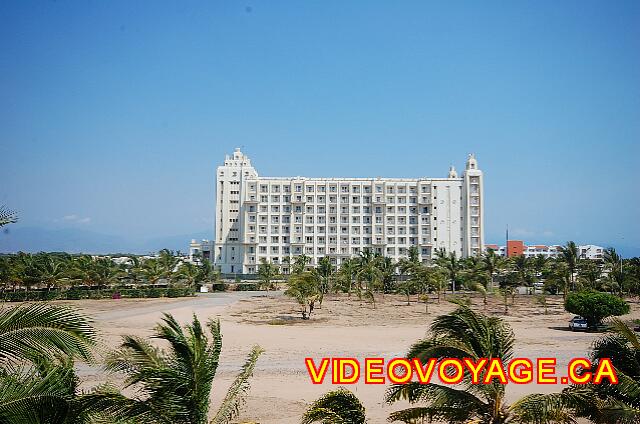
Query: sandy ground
[[344, 326]]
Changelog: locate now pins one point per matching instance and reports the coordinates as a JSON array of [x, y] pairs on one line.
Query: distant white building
[[591, 251], [200, 250], [517, 248], [274, 218]]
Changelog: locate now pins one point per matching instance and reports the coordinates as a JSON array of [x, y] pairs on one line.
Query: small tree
[[267, 272], [595, 306], [304, 289], [541, 299]]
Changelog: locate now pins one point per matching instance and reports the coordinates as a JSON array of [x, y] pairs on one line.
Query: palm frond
[[423, 413], [543, 409], [32, 330], [235, 397], [33, 396], [336, 407], [7, 216]]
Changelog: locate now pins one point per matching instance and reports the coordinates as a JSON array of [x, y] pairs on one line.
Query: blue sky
[[115, 114]]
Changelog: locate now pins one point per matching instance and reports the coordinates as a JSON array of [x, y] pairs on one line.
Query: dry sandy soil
[[344, 326]]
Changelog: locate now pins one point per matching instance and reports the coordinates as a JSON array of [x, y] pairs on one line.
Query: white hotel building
[[274, 218]]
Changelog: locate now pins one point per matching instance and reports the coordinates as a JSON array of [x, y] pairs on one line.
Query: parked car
[[578, 323]]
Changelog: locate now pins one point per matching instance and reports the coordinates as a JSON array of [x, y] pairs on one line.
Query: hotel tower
[[274, 218]]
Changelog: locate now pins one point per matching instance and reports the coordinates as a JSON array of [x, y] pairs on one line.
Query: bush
[[153, 292], [246, 286], [79, 293], [219, 287], [74, 295], [595, 306]]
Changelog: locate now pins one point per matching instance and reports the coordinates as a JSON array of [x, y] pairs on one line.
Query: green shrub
[[73, 295], [219, 287], [595, 306], [154, 292], [173, 292], [246, 287], [96, 294]]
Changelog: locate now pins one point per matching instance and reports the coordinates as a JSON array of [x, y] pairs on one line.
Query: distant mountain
[[35, 239]]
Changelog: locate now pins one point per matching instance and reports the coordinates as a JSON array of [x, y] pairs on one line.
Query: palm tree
[[367, 270], [336, 407], [267, 272], [168, 262], [449, 262], [83, 271], [604, 403], [522, 266], [47, 393], [153, 271], [613, 262], [569, 253], [464, 334], [39, 330], [300, 263], [492, 264], [53, 271], [347, 271], [107, 273], [7, 216], [324, 272], [589, 274], [476, 277], [174, 385], [304, 288], [191, 273]]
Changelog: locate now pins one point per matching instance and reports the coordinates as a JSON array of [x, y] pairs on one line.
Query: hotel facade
[[275, 218]]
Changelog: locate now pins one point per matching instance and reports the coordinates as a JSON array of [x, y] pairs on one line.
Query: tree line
[[56, 273], [369, 274]]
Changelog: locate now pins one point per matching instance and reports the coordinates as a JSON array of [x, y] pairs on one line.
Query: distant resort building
[[200, 250], [276, 218], [517, 248]]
